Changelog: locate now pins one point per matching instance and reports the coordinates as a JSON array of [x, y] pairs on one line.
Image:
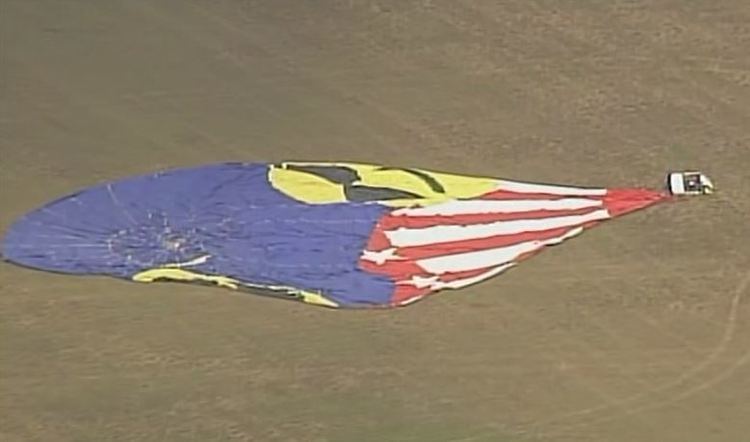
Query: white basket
[[689, 183]]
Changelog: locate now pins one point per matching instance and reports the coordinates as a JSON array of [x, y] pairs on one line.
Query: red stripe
[[398, 270], [378, 241], [621, 201], [390, 222], [404, 292], [477, 244]]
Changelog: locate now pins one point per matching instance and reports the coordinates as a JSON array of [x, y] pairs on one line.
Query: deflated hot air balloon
[[331, 234]]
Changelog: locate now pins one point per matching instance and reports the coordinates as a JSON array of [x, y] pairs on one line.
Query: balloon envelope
[[332, 234]]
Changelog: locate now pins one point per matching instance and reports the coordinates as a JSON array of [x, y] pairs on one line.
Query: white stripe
[[515, 186], [455, 207], [405, 237], [676, 183], [461, 262]]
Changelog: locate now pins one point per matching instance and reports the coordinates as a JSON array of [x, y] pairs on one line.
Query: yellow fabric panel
[[305, 187], [312, 189], [317, 299], [181, 275], [176, 274], [396, 179]]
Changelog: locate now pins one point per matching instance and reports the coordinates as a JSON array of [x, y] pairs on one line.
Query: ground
[[637, 331]]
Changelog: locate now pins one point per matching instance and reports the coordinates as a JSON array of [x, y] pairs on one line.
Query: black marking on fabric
[[430, 180], [361, 194], [336, 174], [279, 293]]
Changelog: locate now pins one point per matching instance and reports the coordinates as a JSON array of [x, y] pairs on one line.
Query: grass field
[[637, 331]]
